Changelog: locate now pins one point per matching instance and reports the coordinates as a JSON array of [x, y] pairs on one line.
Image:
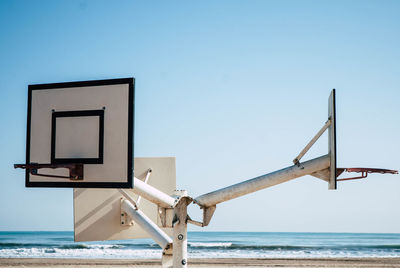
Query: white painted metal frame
[[207, 202], [158, 235], [152, 194], [175, 249]]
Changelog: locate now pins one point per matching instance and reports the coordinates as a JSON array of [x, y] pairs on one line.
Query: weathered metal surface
[[264, 181], [165, 217], [322, 174], [208, 212], [180, 233]]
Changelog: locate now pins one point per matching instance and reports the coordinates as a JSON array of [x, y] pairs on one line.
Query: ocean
[[205, 245]]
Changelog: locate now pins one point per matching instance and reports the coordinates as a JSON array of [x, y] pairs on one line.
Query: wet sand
[[211, 263]]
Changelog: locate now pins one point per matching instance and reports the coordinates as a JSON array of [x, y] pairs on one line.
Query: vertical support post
[[180, 233]]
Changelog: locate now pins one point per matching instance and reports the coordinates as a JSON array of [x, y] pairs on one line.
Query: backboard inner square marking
[[69, 143], [78, 135]]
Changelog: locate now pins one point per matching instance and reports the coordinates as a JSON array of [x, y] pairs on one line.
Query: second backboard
[[97, 212]]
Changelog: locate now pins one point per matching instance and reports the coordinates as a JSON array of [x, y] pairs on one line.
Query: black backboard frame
[[85, 113], [130, 143]]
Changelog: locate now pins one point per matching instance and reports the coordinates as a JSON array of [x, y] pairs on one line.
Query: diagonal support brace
[[296, 161]]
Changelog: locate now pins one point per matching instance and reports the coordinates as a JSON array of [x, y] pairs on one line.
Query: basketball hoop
[[364, 172], [75, 170]]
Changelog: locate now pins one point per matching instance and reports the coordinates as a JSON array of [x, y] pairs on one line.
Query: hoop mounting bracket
[[75, 170]]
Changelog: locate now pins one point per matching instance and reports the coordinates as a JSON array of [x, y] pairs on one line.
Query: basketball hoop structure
[[126, 205], [75, 170], [364, 172]]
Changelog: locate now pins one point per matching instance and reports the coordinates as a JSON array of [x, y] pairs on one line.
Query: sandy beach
[[237, 263]]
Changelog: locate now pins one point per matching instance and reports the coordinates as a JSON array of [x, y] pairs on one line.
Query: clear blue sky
[[233, 89]]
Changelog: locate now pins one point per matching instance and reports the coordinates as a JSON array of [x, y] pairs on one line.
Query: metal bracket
[[125, 220], [75, 170], [322, 174], [208, 212], [185, 200], [165, 217], [167, 257], [198, 223]]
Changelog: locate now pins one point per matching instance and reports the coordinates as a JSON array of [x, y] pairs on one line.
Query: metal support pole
[[146, 224], [145, 181], [264, 181], [152, 194], [180, 233]]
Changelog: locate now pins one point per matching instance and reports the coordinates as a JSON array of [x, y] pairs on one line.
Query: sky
[[232, 89]]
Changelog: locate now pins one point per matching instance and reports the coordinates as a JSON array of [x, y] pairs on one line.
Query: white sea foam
[[209, 244], [91, 253], [99, 251], [205, 245]]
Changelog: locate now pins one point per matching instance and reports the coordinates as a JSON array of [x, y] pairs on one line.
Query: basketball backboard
[[87, 123], [332, 141], [330, 173], [97, 212]]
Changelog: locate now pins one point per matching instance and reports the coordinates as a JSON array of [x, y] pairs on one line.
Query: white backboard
[[88, 122]]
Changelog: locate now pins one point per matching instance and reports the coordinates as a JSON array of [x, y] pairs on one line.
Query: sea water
[[205, 245]]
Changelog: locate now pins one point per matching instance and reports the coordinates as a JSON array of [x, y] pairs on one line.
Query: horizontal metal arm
[[152, 194], [264, 181]]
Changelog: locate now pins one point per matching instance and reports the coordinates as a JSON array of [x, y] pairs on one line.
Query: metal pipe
[[264, 181], [145, 181], [127, 196], [146, 224], [152, 194]]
